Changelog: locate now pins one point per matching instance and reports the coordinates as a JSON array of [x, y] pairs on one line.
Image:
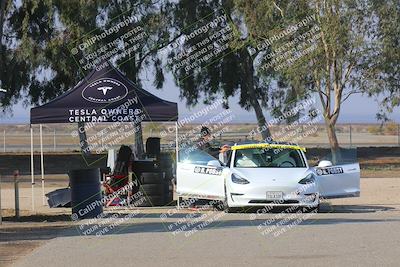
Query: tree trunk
[[2, 17], [248, 84], [138, 130], [83, 143], [261, 121], [333, 141]]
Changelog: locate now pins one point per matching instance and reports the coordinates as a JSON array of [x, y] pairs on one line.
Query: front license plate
[[274, 195]]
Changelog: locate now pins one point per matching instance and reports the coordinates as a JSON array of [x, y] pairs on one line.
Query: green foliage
[[38, 36], [357, 50]]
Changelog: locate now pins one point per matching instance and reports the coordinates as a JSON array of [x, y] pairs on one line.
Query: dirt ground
[[19, 237], [10, 251]]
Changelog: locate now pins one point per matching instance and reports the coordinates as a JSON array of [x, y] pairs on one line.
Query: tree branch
[[280, 10], [349, 94], [140, 61], [348, 72]]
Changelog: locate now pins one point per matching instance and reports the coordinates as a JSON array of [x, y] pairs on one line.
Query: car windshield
[[269, 158]]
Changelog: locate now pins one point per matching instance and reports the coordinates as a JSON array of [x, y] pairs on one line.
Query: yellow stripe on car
[[249, 146]]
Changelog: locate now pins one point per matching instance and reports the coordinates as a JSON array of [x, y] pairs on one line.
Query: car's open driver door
[[339, 181], [196, 177]]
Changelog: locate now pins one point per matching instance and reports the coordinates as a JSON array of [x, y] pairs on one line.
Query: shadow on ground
[[325, 208], [216, 220]]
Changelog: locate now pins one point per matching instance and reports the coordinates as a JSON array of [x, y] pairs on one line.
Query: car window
[[269, 158], [194, 156]]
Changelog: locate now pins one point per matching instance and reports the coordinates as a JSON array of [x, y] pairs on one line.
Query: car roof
[[250, 142]]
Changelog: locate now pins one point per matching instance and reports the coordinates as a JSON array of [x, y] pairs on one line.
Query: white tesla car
[[263, 174]]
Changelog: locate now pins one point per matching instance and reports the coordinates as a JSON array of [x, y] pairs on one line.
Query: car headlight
[[309, 179], [238, 180]]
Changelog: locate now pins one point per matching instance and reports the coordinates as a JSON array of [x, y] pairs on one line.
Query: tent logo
[[105, 90]]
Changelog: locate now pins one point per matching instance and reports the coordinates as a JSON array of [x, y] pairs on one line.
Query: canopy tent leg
[[139, 146], [176, 158], [83, 143], [42, 164], [32, 172]]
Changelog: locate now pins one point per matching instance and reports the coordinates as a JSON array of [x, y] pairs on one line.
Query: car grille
[[273, 201]]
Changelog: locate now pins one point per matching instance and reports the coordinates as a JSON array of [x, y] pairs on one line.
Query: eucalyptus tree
[[346, 47], [38, 38], [231, 72]]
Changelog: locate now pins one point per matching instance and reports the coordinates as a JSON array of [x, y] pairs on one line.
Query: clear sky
[[357, 109]]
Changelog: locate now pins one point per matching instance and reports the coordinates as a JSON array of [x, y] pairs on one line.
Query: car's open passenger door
[[339, 181], [199, 175]]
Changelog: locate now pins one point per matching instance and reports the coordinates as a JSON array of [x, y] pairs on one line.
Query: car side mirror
[[214, 163], [325, 163]]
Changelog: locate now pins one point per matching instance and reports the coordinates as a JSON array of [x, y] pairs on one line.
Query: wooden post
[[32, 172], [54, 140], [42, 164], [1, 215], [16, 193], [398, 134], [351, 141]]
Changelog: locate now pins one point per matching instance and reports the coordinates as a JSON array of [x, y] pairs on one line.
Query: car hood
[[277, 176]]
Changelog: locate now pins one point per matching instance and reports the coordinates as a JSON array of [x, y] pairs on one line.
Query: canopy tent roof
[[105, 95]]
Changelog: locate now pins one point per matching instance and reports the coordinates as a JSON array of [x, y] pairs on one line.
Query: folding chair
[[119, 178]]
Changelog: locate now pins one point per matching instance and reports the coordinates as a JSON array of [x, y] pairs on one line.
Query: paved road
[[344, 235]]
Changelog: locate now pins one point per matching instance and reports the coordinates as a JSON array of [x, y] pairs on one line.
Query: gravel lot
[[357, 231]]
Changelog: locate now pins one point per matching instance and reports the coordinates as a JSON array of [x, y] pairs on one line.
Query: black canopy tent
[[104, 95]]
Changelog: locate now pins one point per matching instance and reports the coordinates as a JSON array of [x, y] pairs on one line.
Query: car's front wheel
[[225, 206]]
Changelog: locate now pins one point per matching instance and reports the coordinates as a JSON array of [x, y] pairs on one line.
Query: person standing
[[204, 142]]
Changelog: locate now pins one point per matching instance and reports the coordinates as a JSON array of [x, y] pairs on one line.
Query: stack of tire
[[156, 182], [153, 187], [167, 162]]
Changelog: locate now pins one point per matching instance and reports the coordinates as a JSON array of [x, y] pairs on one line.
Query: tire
[[170, 198], [153, 189], [318, 208], [151, 178], [168, 174], [166, 157], [165, 163], [311, 209], [168, 187], [225, 205], [144, 166]]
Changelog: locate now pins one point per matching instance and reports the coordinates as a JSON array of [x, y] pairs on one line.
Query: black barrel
[[85, 193]]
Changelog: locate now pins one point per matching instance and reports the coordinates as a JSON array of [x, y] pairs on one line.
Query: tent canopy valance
[[105, 95]]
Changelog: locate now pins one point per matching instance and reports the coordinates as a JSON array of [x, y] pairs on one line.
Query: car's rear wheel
[[309, 209], [317, 208]]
